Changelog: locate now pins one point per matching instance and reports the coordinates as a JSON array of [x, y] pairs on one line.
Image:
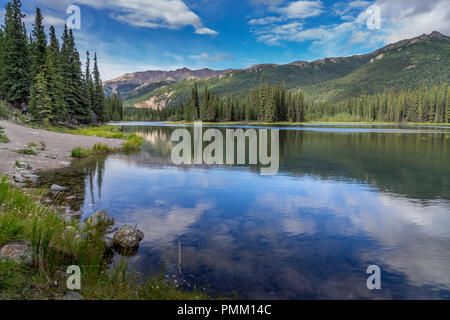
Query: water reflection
[[341, 202]]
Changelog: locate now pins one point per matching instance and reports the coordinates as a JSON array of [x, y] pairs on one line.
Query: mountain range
[[405, 64]]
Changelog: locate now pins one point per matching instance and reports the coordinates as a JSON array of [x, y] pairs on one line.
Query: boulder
[[128, 237], [99, 219], [19, 251]]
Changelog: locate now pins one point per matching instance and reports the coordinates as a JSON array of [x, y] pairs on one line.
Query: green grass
[[104, 131], [3, 137], [29, 152], [81, 153], [98, 149], [132, 144], [23, 218]]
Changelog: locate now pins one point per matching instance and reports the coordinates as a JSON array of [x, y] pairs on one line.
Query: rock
[[100, 218], [19, 185], [72, 296], [19, 178], [19, 251], [23, 165], [109, 242], [128, 237], [31, 177], [110, 230], [57, 188], [72, 215], [69, 228]]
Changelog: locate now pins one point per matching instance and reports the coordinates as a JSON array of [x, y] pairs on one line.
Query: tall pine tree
[[15, 60]]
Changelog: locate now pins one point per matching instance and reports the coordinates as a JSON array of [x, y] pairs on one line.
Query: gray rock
[[19, 251], [72, 215], [128, 237], [57, 188], [19, 178], [23, 165], [72, 296], [109, 242], [110, 230], [100, 218], [31, 177]]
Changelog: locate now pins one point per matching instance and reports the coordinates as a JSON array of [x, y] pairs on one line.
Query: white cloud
[[266, 20], [206, 31], [172, 14], [206, 56], [400, 20], [49, 20], [300, 9], [410, 18]]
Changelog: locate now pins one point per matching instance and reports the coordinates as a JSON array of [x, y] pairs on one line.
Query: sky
[[140, 35]]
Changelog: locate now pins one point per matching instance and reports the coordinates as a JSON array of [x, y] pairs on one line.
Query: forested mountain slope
[[405, 64]]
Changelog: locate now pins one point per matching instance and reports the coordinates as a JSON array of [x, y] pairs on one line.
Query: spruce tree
[[98, 94], [15, 72], [38, 44], [89, 87]]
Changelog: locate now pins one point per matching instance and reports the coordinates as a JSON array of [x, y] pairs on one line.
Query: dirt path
[[57, 153]]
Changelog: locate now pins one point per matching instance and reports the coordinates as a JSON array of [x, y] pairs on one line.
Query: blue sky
[[138, 35]]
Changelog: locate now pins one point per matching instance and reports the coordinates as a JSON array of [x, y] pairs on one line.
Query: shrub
[[80, 153]]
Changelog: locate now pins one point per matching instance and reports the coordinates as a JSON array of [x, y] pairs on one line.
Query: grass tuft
[[133, 143], [29, 152]]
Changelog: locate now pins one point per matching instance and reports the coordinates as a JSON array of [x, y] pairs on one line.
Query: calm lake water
[[345, 197]]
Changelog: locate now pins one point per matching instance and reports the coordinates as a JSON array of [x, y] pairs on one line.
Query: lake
[[345, 197]]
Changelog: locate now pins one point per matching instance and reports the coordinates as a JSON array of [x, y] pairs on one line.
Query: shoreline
[[256, 123], [52, 149]]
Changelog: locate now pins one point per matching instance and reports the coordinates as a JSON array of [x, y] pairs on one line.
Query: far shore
[[256, 123]]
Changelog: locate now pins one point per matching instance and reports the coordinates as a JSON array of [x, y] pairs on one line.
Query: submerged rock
[[128, 237], [99, 219], [19, 251]]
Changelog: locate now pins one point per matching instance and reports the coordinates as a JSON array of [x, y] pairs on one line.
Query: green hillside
[[406, 64]]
